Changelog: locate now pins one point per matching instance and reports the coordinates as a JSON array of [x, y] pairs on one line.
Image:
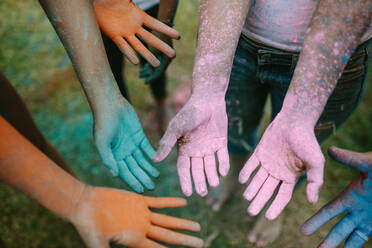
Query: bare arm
[[24, 167], [99, 214], [201, 126], [220, 25], [289, 145], [76, 26], [334, 33]]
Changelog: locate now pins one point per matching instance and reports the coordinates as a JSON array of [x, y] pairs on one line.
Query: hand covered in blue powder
[[355, 200], [121, 143]]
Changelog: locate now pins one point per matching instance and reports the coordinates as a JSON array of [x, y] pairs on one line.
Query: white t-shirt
[[146, 4], [282, 23]]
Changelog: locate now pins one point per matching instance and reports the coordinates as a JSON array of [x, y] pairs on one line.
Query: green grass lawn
[[35, 62]]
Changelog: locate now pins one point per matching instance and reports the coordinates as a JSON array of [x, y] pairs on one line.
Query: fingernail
[[270, 216], [187, 193], [252, 211], [151, 186], [114, 172], [203, 192], [214, 183], [139, 189]]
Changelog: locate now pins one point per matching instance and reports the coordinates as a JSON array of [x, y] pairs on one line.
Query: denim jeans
[[259, 71]]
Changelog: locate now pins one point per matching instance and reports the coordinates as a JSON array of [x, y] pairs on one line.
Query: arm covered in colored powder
[[289, 145], [166, 13], [117, 131], [201, 126], [123, 22], [355, 200], [99, 214]]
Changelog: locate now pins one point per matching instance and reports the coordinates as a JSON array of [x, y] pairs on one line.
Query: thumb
[[361, 161], [105, 152], [167, 142], [311, 154], [315, 172]]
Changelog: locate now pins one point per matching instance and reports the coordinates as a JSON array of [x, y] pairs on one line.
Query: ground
[[34, 60]]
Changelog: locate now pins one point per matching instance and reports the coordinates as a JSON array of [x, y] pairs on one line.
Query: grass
[[35, 62]]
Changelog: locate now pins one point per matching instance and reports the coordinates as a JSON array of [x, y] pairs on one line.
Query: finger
[[125, 48], [166, 144], [165, 202], [223, 161], [107, 157], [183, 169], [174, 238], [281, 200], [197, 169], [141, 49], [248, 168], [147, 148], [155, 75], [174, 223], [145, 71], [211, 170], [356, 240], [315, 182], [148, 243], [256, 184], [263, 196], [139, 173], [142, 161], [160, 27], [156, 42], [324, 215], [127, 176], [350, 158], [338, 233]]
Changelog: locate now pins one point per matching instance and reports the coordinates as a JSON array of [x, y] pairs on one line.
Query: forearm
[[167, 11], [220, 25], [334, 33], [24, 167], [76, 26]]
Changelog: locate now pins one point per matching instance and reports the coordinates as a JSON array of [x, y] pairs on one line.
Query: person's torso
[[146, 4], [282, 23]]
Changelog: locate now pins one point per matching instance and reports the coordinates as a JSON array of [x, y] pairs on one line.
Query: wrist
[[80, 197], [298, 109], [108, 104]]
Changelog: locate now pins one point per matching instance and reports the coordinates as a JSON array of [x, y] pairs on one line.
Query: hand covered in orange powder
[[103, 215], [122, 20]]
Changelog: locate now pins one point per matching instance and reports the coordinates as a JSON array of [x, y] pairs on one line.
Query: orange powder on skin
[[23, 166]]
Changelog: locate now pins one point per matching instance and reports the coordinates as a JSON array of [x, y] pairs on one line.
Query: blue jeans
[[260, 70]]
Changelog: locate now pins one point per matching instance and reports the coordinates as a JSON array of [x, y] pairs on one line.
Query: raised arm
[[289, 145], [76, 26], [117, 131], [99, 214], [201, 125]]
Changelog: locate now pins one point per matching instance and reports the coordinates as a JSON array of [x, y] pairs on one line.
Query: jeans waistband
[[270, 55]]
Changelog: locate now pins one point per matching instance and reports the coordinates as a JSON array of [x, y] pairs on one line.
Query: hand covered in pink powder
[[201, 131], [287, 147]]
